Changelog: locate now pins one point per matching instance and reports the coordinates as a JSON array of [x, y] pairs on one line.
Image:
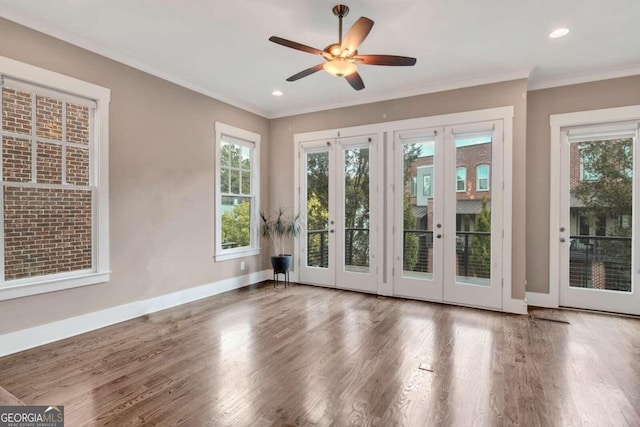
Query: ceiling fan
[[342, 57]]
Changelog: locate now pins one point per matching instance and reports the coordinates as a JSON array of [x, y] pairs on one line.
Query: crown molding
[[433, 88], [52, 30], [55, 31], [585, 77]]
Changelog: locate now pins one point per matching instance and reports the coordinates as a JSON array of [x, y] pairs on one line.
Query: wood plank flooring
[[312, 356]]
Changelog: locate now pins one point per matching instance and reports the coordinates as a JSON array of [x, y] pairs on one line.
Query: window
[[413, 186], [461, 180], [601, 225], [427, 189], [424, 192], [583, 225], [54, 181], [237, 195], [482, 178], [588, 165], [611, 158]]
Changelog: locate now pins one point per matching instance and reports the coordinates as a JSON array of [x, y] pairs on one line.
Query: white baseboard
[[44, 334], [541, 300]]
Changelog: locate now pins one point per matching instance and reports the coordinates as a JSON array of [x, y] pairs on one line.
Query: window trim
[[100, 167], [464, 180], [251, 138], [488, 177]]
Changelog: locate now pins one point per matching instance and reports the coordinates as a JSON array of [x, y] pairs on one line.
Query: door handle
[[562, 240], [331, 231], [438, 236]]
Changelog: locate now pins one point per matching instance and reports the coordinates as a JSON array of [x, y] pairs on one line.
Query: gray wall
[[467, 99], [541, 104], [162, 175], [161, 183]]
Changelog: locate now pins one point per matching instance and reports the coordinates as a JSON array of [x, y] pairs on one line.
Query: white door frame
[[464, 293], [321, 276], [359, 281], [377, 203], [417, 288], [559, 122], [385, 133]]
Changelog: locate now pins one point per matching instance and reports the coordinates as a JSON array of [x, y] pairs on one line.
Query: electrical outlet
[[241, 265]]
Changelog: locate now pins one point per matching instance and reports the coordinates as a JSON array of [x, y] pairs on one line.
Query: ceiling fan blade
[[357, 34], [305, 73], [355, 81], [385, 60], [294, 45]]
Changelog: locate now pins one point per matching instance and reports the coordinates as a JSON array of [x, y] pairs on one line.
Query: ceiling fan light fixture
[[340, 67]]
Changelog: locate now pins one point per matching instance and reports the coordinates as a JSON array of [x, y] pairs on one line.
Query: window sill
[[19, 289], [245, 252]]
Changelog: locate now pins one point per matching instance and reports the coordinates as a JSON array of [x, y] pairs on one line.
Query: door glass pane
[[473, 210], [318, 210], [418, 209], [601, 214], [356, 209]]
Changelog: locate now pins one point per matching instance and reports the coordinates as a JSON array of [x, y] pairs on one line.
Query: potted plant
[[280, 227]]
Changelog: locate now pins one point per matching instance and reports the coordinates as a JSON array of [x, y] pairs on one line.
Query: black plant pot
[[281, 263]]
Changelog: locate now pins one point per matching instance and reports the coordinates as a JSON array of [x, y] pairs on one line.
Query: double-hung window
[[482, 178], [461, 179], [54, 181], [237, 192]]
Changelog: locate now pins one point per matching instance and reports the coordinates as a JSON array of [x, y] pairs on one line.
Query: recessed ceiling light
[[277, 93], [559, 32]]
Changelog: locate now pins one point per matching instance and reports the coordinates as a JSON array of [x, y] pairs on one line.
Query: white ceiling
[[220, 48]]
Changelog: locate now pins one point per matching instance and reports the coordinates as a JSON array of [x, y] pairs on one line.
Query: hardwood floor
[[313, 356]]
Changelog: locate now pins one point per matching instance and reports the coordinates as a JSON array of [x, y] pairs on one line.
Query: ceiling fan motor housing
[[340, 10]]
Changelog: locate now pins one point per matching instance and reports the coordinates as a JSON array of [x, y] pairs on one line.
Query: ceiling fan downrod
[[340, 10]]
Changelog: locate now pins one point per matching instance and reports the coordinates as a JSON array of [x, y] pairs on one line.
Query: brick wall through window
[[46, 184]]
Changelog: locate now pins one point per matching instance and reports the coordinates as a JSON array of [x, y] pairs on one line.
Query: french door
[[448, 202], [338, 183], [598, 223]]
